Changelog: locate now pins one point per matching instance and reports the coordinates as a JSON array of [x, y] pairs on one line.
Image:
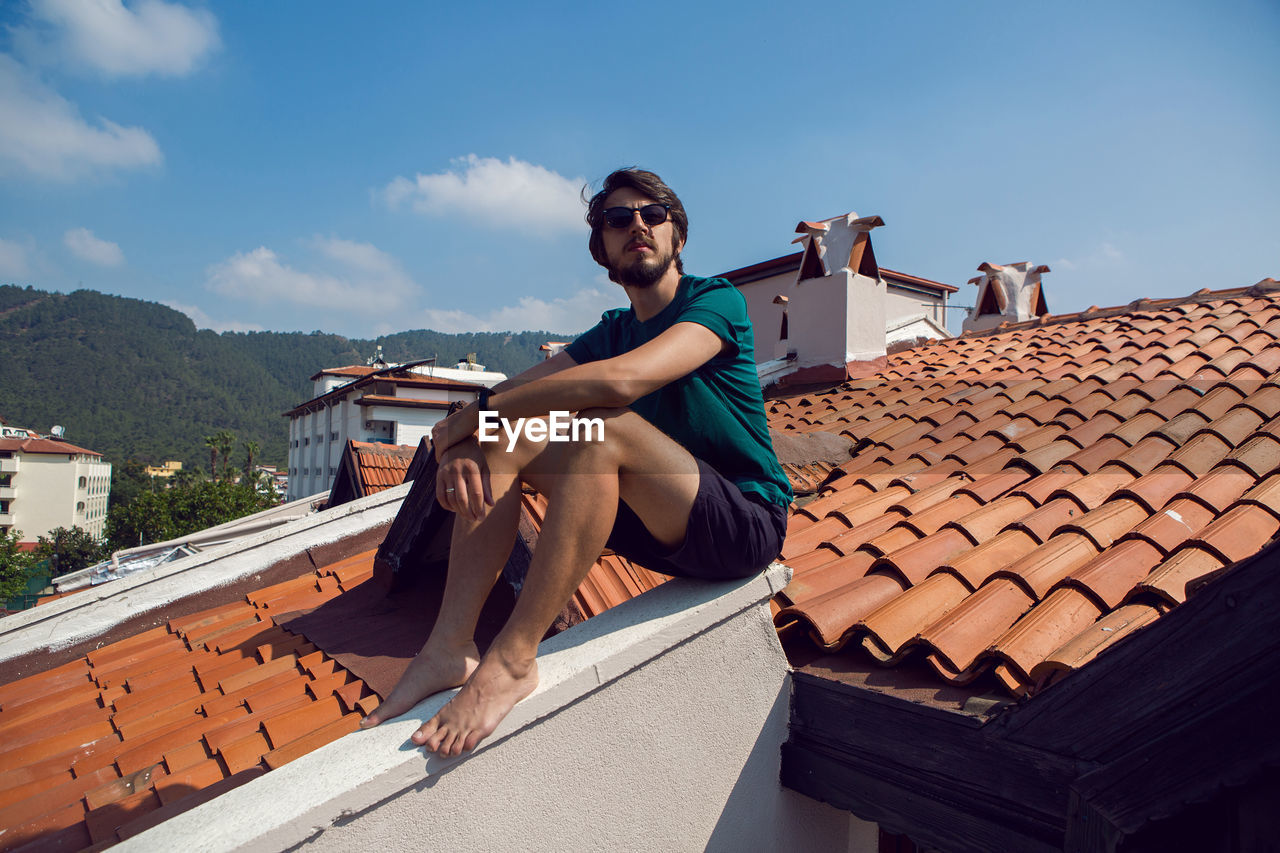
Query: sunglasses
[[650, 214]]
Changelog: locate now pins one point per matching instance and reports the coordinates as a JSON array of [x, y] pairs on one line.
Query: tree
[[70, 550], [128, 481], [211, 442], [15, 565], [226, 441], [181, 510], [250, 452]]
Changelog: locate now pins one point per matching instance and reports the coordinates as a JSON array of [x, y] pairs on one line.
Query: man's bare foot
[[435, 668], [488, 696]]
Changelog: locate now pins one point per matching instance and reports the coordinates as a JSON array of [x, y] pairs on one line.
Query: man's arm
[[462, 484], [572, 387], [558, 362], [617, 381]]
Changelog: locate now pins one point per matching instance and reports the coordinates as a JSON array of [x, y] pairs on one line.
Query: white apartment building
[[395, 404], [46, 483]]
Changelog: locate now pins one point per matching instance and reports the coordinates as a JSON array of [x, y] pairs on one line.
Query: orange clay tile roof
[[44, 445], [381, 466], [1020, 500], [157, 723]]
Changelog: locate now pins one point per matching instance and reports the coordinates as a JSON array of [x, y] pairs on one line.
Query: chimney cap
[[1020, 266], [807, 228]]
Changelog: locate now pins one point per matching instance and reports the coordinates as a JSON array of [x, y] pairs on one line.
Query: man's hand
[[462, 482], [454, 429]]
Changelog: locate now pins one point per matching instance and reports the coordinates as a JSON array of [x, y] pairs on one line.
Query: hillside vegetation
[[136, 380]]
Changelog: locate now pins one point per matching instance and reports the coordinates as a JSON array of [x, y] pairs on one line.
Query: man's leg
[[478, 550], [582, 482]]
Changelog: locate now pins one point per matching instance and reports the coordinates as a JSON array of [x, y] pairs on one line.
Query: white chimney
[[1006, 293], [835, 309]]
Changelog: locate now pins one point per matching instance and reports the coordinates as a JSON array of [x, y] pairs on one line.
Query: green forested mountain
[[136, 380]]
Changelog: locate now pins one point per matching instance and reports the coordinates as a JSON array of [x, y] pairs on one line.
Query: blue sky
[[303, 166]]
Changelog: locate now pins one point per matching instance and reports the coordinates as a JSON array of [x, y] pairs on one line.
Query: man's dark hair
[[644, 182]]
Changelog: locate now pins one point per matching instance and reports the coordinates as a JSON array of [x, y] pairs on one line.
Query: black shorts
[[731, 534]]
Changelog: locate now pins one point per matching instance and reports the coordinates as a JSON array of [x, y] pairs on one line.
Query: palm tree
[[211, 442], [250, 451], [226, 441]]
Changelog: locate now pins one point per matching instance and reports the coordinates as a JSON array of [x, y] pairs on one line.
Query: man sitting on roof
[[683, 480]]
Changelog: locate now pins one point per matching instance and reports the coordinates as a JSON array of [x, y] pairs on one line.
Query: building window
[[6, 479], [79, 506], [84, 482], [4, 507], [306, 441], [333, 436]]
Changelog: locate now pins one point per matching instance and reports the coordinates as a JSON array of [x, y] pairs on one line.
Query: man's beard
[[644, 272]]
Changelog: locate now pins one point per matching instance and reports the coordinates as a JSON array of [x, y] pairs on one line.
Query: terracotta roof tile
[[956, 642], [851, 540], [1097, 464], [1042, 631], [895, 624], [244, 753], [312, 740], [1110, 576]]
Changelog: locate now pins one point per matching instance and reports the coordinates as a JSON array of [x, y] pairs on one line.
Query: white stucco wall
[[45, 493], [766, 317], [901, 303], [657, 726], [819, 319], [815, 328]]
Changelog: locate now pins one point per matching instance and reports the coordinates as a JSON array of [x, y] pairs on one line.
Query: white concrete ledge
[[351, 778], [94, 611]]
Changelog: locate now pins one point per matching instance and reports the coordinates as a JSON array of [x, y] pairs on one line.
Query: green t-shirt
[[716, 412]]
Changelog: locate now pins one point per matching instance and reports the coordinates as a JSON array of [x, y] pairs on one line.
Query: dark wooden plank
[[1233, 743], [944, 755], [1172, 675], [819, 771]]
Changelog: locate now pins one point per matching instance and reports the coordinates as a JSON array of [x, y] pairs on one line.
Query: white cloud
[[43, 135], [85, 245], [568, 315], [1099, 257], [148, 36], [511, 194], [13, 261], [204, 321], [354, 277]]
